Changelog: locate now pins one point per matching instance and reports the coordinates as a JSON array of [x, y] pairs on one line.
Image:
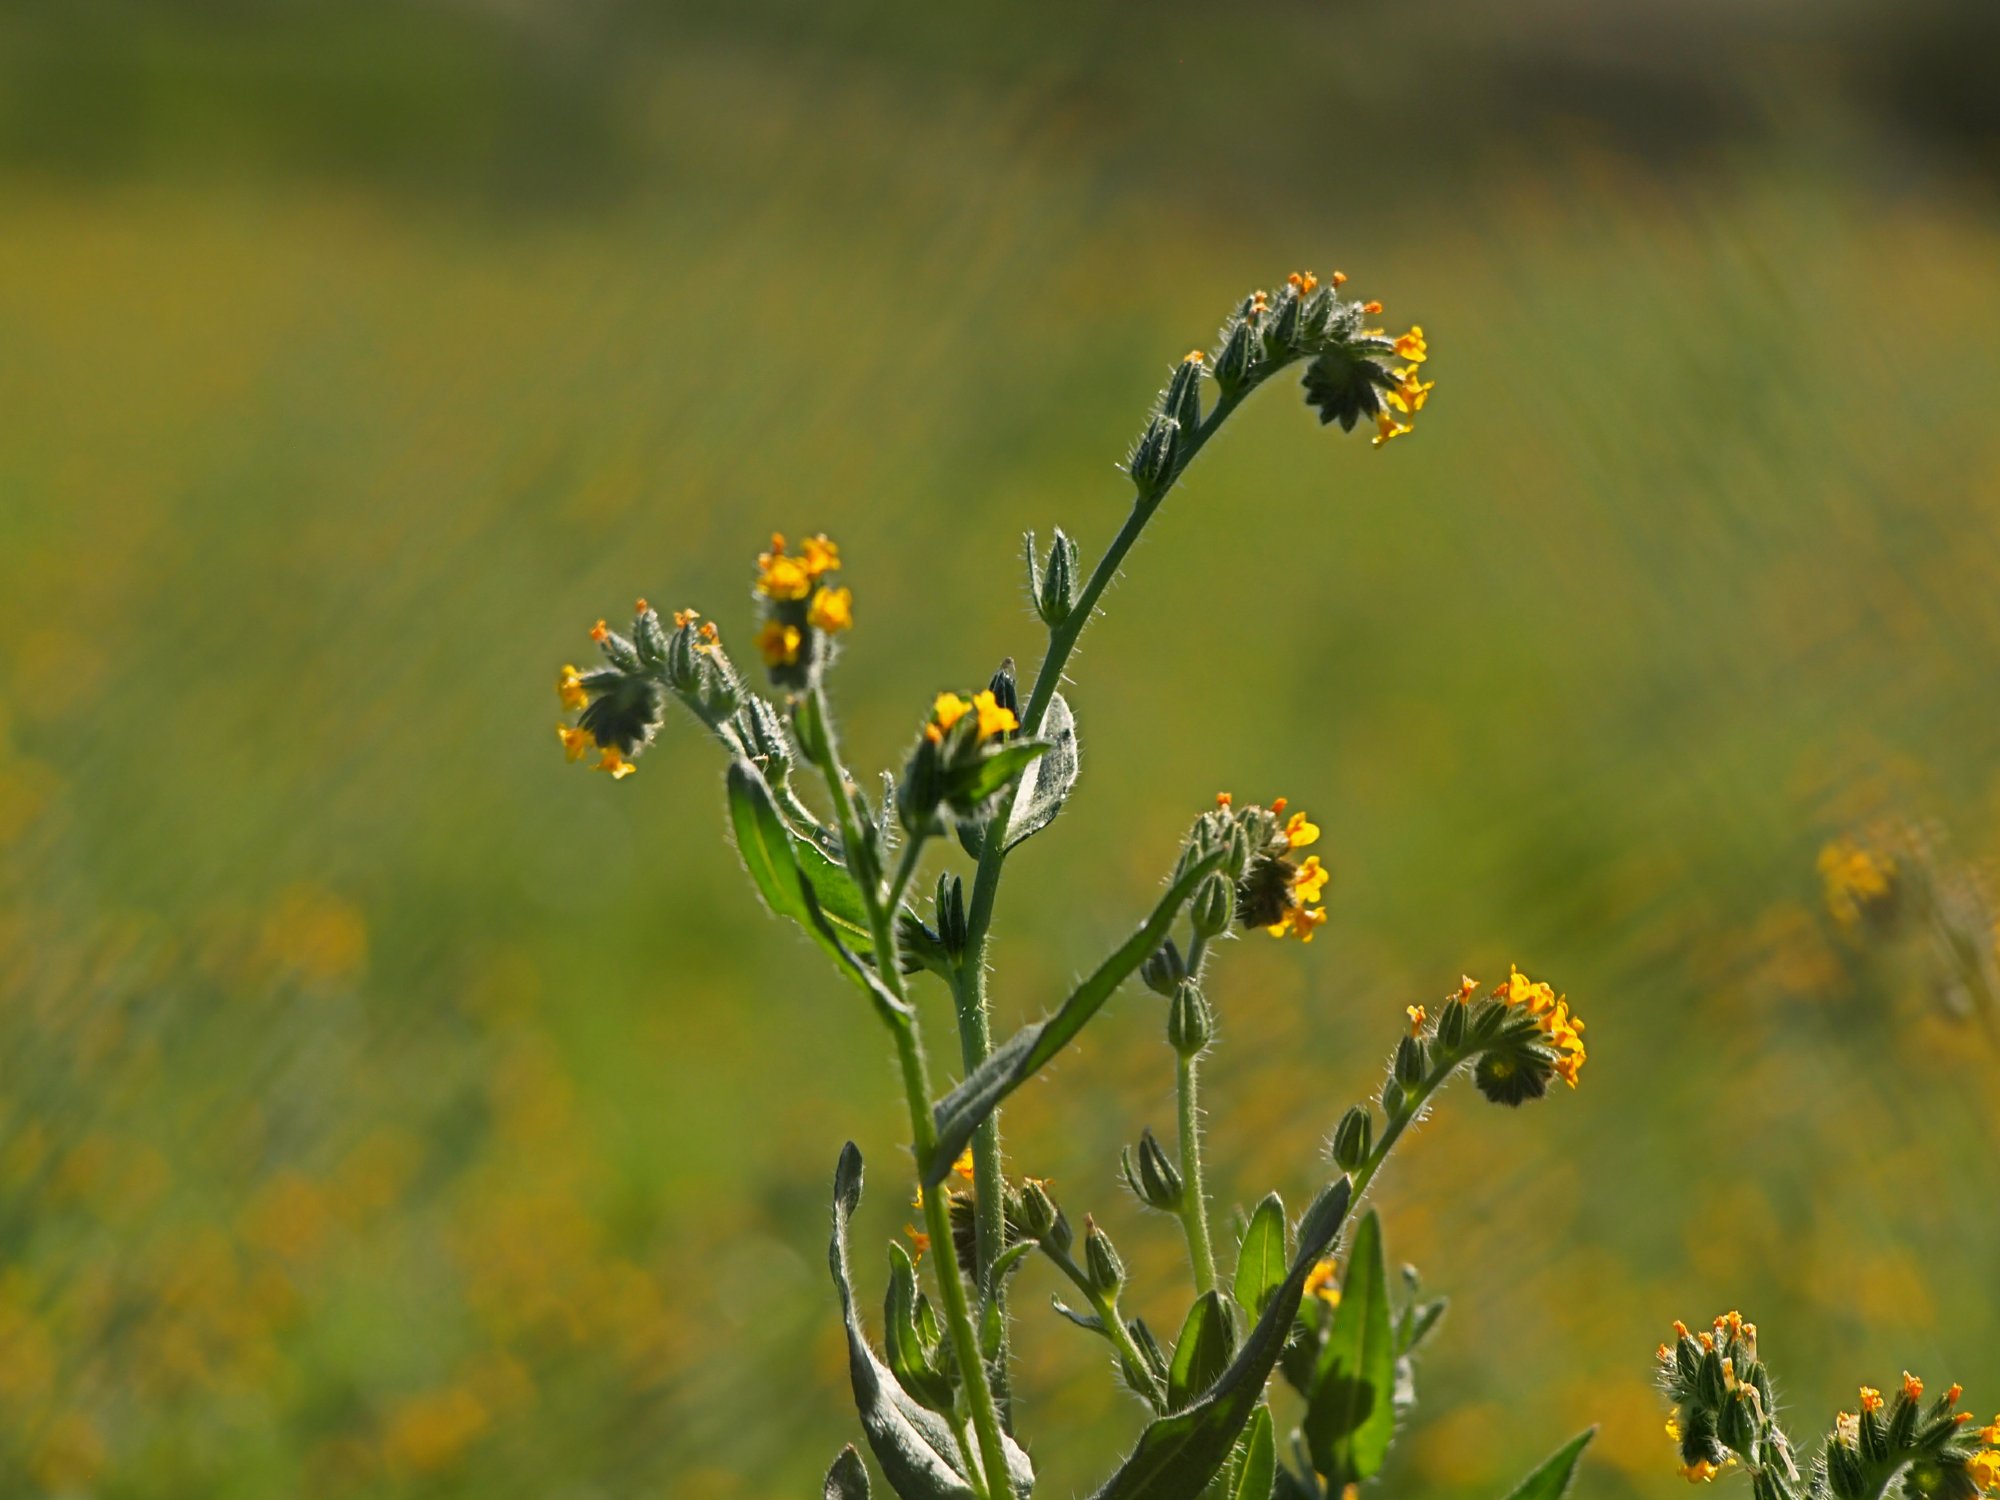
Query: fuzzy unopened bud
[[1411, 1062], [1155, 1181], [1153, 457], [765, 738], [1240, 352], [1354, 1138], [1213, 906], [1055, 594], [1182, 400], [1100, 1260], [1003, 688], [1039, 1217], [1164, 969], [948, 910], [1451, 1026], [1190, 1023]]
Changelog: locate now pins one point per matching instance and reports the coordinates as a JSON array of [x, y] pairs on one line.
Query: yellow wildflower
[[1913, 1388], [1339, 280], [963, 1166], [1371, 308], [779, 643], [1300, 831], [1990, 1435], [1855, 880], [600, 632], [1417, 1016], [993, 719], [1310, 880], [1467, 987], [1387, 429], [1985, 1469], [1847, 1428], [1701, 1471], [1411, 346], [615, 764], [685, 617], [819, 557], [1323, 1282], [780, 576], [919, 1241], [832, 610], [945, 712], [1409, 393], [1193, 357], [574, 741], [569, 688], [1299, 922], [1302, 282], [1871, 1399], [1673, 1426]]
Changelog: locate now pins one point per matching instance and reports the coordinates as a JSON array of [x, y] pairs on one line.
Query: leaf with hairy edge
[[1047, 783], [1178, 1455], [1017, 1059], [1259, 1448], [1350, 1413], [892, 1010], [839, 897], [1202, 1351], [847, 1479], [1553, 1477], [777, 858], [916, 1449], [1260, 1259]]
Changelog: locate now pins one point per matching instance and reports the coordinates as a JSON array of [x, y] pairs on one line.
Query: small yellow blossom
[[831, 611], [685, 617], [1323, 1282], [1339, 279], [1847, 1428], [1300, 831], [1310, 880], [993, 719], [1299, 922], [1467, 987], [1855, 880], [820, 556], [1952, 1393], [574, 741], [615, 764], [919, 1241], [1673, 1426], [569, 688], [1387, 429], [1701, 1471], [1417, 1016], [779, 643], [963, 1166], [1985, 1469], [709, 635], [1409, 393], [1990, 1435], [1193, 357], [1680, 1329], [1223, 799], [600, 632], [1871, 1399], [780, 576], [1913, 1388], [945, 712], [1371, 308], [1411, 346]]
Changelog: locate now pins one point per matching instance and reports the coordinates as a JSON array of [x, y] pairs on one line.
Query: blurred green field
[[388, 1109]]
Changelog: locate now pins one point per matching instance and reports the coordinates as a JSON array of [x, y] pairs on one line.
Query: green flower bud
[[1005, 694], [649, 636], [1164, 969], [1354, 1138], [1844, 1471], [1190, 1023], [620, 652], [1242, 349], [1100, 1260], [1735, 1423], [1285, 323], [1412, 1063], [683, 662], [920, 790], [1152, 459], [1709, 1383], [1156, 1182], [948, 907], [1213, 905], [1055, 596], [1039, 1217], [765, 740], [1182, 399], [1451, 1027]]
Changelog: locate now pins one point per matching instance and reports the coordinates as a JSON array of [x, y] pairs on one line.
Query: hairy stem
[[1194, 1198], [997, 1484], [1106, 1307]]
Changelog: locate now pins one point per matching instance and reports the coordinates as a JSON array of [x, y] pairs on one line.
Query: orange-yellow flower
[[1387, 429], [1985, 1469], [1323, 1282], [1701, 1471], [993, 719], [685, 617], [919, 1241], [600, 632], [574, 741], [569, 688], [819, 556], [831, 611], [1871, 1399], [1300, 830], [1411, 346], [1339, 279], [1310, 880], [1299, 922], [1409, 393], [779, 643], [1417, 1016], [963, 1166], [945, 712], [615, 764], [1913, 1388]]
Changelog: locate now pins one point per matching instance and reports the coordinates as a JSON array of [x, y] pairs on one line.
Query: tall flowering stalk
[[988, 769]]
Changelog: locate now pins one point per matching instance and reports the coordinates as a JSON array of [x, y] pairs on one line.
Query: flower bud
[[1182, 400], [1238, 858], [1055, 596], [619, 652], [1005, 694], [1153, 458], [1354, 1138], [1164, 969], [1038, 1215], [1285, 324], [649, 636], [764, 737], [1156, 1183], [1190, 1023], [1241, 351], [683, 665], [1213, 905], [920, 790], [1411, 1062], [948, 908], [1844, 1471], [1451, 1026], [1100, 1260]]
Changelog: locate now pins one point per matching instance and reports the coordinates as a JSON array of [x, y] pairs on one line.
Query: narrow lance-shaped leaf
[[916, 1449], [1350, 1414], [1202, 1351], [1260, 1460], [1260, 1260], [1550, 1480], [1177, 1455], [777, 858], [1017, 1059]]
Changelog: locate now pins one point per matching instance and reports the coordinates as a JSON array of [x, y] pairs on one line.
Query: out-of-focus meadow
[[387, 1109]]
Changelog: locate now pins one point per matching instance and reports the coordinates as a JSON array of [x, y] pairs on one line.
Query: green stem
[[1106, 1308], [1194, 1198], [1365, 1174], [997, 1484], [906, 868]]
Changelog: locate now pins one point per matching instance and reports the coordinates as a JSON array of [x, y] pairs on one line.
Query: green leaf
[[1177, 1455], [1017, 1059], [777, 858], [1260, 1260], [839, 897], [1260, 1460], [993, 770], [915, 1368], [1417, 1324], [1046, 784], [915, 1447], [1350, 1413], [847, 1479], [1550, 1480], [1201, 1353]]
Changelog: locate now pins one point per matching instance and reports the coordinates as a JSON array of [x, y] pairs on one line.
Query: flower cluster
[[1725, 1417], [1551, 1012], [1274, 891], [1860, 882], [800, 609]]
